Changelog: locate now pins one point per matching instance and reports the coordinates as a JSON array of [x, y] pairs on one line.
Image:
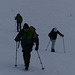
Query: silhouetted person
[[19, 20], [53, 36], [28, 37]]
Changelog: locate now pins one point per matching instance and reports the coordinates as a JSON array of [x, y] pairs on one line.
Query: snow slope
[[44, 15]]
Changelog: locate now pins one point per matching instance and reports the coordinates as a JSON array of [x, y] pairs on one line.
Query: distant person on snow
[[28, 37], [19, 20], [53, 36]]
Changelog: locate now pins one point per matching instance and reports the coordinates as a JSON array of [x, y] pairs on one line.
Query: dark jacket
[[19, 18], [53, 34], [27, 39]]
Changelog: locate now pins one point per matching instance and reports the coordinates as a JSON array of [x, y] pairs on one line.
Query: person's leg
[[53, 46], [26, 57], [17, 27], [20, 26]]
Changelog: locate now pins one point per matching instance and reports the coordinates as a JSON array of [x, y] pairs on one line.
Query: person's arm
[[37, 43], [60, 34], [15, 17], [18, 37]]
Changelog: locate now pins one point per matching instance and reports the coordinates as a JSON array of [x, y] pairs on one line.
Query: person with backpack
[[19, 20], [27, 38], [53, 36]]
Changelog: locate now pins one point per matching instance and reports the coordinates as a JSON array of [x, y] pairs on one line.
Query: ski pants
[[18, 26], [26, 56], [53, 44]]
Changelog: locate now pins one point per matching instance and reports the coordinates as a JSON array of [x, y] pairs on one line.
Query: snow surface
[[44, 15]]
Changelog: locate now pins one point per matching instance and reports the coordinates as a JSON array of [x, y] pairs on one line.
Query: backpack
[[35, 34]]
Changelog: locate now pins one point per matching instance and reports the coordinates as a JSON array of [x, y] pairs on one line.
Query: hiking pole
[[64, 45], [16, 56], [15, 24], [18, 44], [40, 60], [47, 45]]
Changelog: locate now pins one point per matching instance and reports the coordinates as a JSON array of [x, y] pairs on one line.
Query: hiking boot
[[52, 50], [26, 68]]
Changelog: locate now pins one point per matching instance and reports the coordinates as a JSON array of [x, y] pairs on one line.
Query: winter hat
[[55, 29], [25, 26]]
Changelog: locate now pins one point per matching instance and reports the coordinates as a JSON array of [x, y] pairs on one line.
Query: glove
[[17, 39], [62, 35], [36, 48]]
